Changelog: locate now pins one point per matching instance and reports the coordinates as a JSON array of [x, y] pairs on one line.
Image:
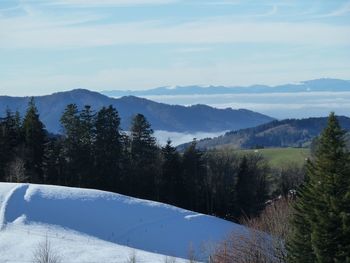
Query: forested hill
[[285, 133], [161, 116]]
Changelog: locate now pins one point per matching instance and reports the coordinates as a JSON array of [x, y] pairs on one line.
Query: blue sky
[[57, 45]]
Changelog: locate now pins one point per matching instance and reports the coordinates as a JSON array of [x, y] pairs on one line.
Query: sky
[[58, 45]]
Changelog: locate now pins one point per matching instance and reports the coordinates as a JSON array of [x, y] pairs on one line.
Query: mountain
[[197, 118], [317, 85], [285, 133], [86, 225]]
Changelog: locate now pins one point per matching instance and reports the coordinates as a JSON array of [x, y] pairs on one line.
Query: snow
[[95, 226]]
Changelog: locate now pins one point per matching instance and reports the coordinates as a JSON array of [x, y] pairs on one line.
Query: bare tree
[[265, 240], [44, 253], [191, 254], [132, 257], [16, 171]]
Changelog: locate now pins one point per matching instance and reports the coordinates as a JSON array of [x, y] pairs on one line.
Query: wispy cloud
[[341, 11], [167, 42], [16, 33]]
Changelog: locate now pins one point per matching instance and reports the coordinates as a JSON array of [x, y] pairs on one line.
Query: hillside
[[104, 220], [197, 118], [317, 85], [285, 133]]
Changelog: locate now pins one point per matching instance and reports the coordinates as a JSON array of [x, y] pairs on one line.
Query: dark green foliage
[[72, 144], [194, 175], [54, 162], [283, 133], [85, 148], [10, 140], [252, 186], [94, 152], [288, 178], [144, 158], [219, 183], [172, 181], [34, 135], [321, 221], [108, 149]]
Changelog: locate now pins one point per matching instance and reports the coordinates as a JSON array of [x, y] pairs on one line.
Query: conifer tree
[[251, 188], [194, 173], [10, 139], [54, 162], [86, 154], [322, 212], [71, 129], [34, 142], [108, 149], [172, 181], [144, 158]]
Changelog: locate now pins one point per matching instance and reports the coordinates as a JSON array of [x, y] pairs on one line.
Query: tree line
[[94, 152], [312, 227]]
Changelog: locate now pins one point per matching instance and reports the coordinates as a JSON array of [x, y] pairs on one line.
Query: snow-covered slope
[[104, 223]]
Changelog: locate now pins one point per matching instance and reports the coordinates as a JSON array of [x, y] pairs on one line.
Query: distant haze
[[178, 138], [277, 105], [312, 98]]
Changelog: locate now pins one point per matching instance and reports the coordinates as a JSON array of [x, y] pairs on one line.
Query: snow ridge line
[[6, 204]]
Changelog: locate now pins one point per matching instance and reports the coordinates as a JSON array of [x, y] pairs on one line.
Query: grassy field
[[278, 157]]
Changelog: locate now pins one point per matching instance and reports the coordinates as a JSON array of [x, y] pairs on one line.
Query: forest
[[93, 152], [304, 210]]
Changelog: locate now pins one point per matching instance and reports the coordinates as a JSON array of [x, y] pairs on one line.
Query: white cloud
[[26, 33]]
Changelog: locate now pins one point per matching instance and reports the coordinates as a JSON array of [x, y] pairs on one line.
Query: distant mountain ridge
[[317, 85], [285, 133], [196, 118]]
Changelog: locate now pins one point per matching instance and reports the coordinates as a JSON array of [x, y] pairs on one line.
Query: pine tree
[[10, 139], [34, 141], [86, 154], [71, 129], [194, 173], [172, 181], [322, 211], [251, 188], [220, 182], [54, 161], [108, 149], [144, 158]]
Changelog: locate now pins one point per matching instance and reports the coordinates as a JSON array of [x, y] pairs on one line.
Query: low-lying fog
[[179, 138], [277, 105]]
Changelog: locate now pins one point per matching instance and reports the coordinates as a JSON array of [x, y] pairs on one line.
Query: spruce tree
[[85, 151], [172, 181], [194, 173], [10, 140], [108, 149], [322, 212], [34, 141], [251, 188], [54, 161], [144, 158], [71, 129]]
